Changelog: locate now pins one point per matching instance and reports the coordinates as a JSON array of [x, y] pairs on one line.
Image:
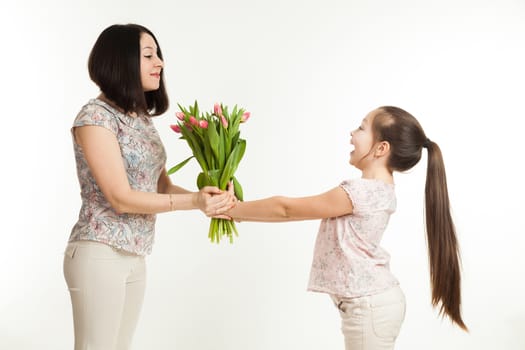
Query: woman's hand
[[213, 202]]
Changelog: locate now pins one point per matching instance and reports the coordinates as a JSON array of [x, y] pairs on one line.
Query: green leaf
[[183, 110], [196, 110], [237, 189], [197, 151], [222, 147], [232, 163], [212, 177], [201, 181], [208, 153], [234, 113], [236, 120], [213, 137], [178, 166], [241, 148], [235, 138]]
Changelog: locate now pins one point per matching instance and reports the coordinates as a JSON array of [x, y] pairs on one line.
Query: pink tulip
[[175, 128], [217, 110], [245, 117], [203, 124], [193, 121], [180, 115], [224, 121]]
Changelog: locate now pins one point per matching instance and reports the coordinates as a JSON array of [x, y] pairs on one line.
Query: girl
[[349, 263], [121, 169]]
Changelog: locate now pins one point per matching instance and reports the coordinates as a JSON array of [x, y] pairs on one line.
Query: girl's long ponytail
[[407, 140], [443, 250]]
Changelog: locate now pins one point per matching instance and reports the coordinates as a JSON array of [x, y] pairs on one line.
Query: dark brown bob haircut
[[114, 65]]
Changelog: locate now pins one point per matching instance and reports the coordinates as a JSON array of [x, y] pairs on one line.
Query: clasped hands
[[214, 202]]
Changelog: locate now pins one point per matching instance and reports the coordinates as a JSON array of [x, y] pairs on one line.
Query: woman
[[121, 169]]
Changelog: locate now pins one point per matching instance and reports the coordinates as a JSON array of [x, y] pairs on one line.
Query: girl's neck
[[378, 174]]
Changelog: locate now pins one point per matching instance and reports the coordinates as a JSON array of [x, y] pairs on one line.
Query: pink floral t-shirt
[[144, 159], [348, 259]]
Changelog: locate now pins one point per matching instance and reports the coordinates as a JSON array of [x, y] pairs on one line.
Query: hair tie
[[427, 142]]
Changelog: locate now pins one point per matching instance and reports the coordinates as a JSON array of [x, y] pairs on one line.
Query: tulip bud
[[203, 124], [180, 115], [217, 110], [224, 121], [175, 128], [193, 121], [245, 117]]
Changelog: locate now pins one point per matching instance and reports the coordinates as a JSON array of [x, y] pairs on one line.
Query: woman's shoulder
[[95, 105], [98, 113]]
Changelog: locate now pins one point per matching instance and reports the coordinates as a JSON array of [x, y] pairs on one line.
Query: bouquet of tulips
[[214, 139]]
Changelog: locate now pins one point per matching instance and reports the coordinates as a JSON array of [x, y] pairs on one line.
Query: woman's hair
[[114, 65], [407, 139]]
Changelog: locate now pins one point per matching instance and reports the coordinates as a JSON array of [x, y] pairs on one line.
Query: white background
[[309, 71]]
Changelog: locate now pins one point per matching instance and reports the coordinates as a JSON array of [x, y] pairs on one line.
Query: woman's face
[[150, 64]]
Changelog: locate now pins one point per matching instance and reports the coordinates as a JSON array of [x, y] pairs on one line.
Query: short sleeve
[[369, 195], [352, 191], [95, 115]]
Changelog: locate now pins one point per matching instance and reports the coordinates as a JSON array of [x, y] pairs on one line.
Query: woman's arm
[[104, 159], [165, 185], [278, 209]]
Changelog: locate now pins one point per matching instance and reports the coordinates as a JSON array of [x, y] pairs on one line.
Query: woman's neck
[[106, 100]]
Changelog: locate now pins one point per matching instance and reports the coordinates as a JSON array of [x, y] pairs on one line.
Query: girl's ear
[[382, 149]]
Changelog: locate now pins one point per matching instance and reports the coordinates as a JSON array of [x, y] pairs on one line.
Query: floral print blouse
[[348, 260], [144, 159]]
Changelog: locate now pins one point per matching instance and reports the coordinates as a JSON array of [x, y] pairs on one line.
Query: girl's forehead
[[370, 116], [367, 118]]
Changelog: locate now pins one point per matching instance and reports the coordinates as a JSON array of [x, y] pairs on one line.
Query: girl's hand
[[213, 202], [231, 192]]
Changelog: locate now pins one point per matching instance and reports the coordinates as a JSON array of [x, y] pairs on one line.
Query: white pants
[[372, 322], [107, 288]]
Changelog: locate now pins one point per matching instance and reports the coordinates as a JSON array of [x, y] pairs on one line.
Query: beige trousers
[[372, 322], [107, 288]]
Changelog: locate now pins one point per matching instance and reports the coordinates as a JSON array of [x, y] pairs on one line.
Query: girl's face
[[362, 139], [150, 64]]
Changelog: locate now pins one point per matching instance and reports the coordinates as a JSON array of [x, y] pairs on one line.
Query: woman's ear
[[382, 149]]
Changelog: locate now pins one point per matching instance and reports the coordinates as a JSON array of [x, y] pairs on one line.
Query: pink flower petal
[[245, 117], [224, 121], [175, 128], [217, 110], [193, 121]]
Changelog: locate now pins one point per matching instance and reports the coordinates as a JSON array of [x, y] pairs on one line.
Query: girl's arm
[[277, 209], [104, 159]]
